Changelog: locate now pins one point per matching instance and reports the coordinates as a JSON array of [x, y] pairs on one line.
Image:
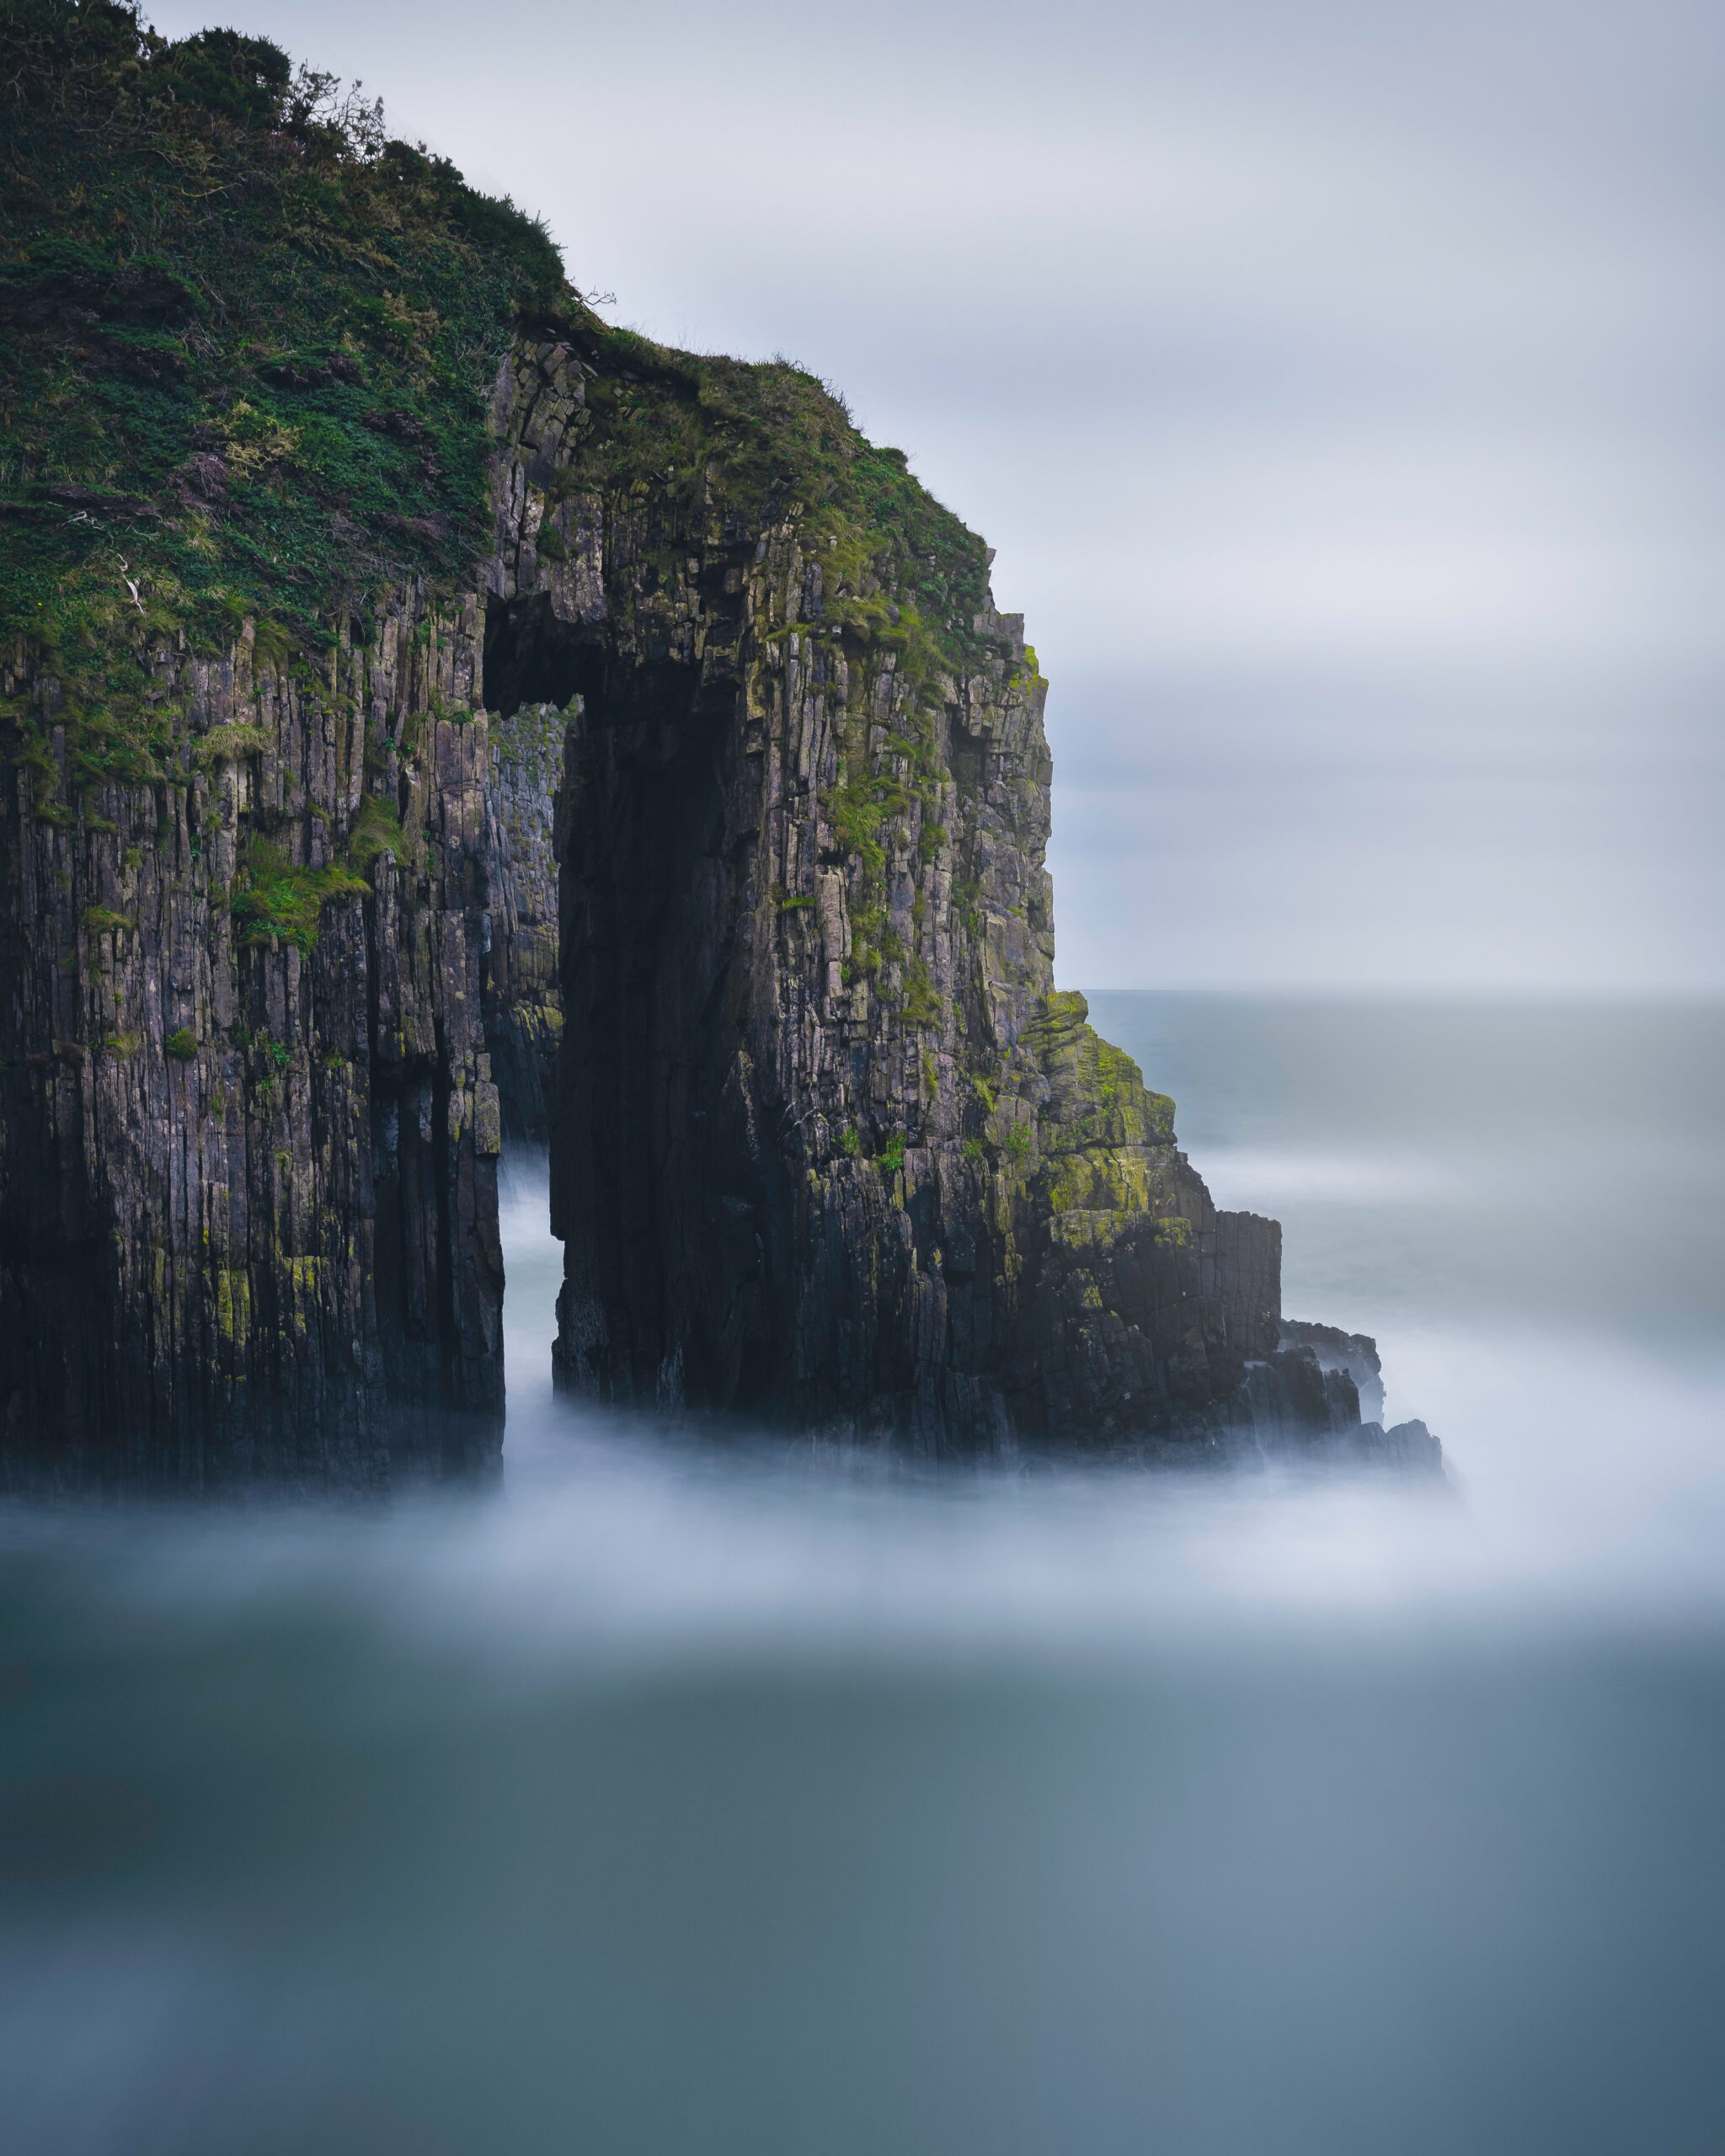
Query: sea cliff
[[432, 713]]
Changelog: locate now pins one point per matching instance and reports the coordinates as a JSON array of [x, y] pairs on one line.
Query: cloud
[[1338, 385]]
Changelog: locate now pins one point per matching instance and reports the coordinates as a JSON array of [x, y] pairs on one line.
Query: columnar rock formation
[[523, 1011], [828, 1147], [249, 1142], [259, 914], [285, 952]]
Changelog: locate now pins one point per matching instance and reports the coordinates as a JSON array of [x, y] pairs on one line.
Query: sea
[[704, 1795]]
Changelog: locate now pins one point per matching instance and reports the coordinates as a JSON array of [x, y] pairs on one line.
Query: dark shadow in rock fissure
[[532, 661], [533, 658], [653, 1179]]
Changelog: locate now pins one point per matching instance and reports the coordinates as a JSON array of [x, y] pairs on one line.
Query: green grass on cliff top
[[246, 344], [727, 440], [245, 340]]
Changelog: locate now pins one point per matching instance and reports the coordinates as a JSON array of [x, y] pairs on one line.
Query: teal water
[[715, 1799]]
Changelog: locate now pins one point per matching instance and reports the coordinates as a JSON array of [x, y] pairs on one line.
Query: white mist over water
[[709, 1794]]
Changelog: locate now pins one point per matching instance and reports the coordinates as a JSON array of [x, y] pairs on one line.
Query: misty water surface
[[724, 1797]]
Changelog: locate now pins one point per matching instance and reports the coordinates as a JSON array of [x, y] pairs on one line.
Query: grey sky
[[1340, 387]]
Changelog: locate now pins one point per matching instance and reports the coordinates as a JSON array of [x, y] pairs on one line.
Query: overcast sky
[[1340, 385]]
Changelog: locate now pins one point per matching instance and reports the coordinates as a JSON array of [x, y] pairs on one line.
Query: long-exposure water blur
[[693, 1792]]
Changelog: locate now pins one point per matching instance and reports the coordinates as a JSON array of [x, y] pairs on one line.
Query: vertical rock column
[[523, 1005], [829, 1149], [248, 1210]]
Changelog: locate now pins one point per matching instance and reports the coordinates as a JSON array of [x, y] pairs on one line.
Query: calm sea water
[[729, 1802]]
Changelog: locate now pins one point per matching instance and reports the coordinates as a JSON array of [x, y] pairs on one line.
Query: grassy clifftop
[[245, 343]]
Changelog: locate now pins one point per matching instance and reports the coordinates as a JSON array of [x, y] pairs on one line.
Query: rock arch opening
[[651, 1189], [532, 657]]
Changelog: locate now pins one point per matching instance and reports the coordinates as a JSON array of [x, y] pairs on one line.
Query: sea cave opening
[[642, 909], [531, 657]]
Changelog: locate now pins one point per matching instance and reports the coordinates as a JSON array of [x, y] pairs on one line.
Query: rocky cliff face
[[828, 1147], [247, 1190], [259, 922], [523, 1007], [697, 816]]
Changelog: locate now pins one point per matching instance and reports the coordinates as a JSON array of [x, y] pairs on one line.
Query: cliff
[[256, 907], [828, 1147], [339, 540]]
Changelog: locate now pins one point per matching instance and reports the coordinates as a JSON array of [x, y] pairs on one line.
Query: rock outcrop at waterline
[[468, 717], [828, 1147]]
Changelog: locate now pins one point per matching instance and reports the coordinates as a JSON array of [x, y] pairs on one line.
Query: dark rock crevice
[[532, 657], [652, 1177]]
